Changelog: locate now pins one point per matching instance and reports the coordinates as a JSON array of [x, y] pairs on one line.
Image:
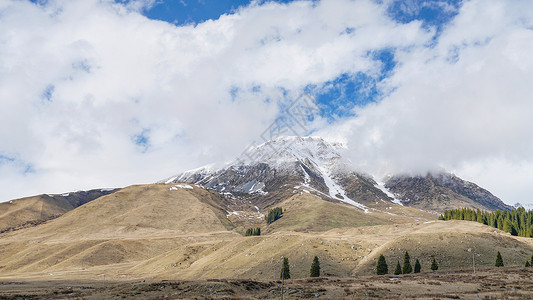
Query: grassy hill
[[187, 232], [31, 211]]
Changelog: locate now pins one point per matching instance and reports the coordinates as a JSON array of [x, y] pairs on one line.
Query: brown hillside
[[175, 232], [31, 211]]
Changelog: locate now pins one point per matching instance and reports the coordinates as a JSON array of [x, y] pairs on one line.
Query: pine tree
[[507, 225], [253, 231], [315, 268], [527, 264], [531, 263], [500, 222], [285, 272], [274, 214], [499, 260], [382, 268], [417, 266], [434, 265], [407, 264], [398, 269]]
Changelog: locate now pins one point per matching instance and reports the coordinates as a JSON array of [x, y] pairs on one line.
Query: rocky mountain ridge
[[268, 173]]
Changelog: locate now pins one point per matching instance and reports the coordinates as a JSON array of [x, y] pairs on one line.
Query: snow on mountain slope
[[308, 162], [268, 173]]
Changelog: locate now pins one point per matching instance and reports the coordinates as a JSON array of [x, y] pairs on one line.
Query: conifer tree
[[507, 225], [253, 231], [434, 265], [527, 264], [531, 263], [382, 268], [274, 214], [500, 223], [398, 269], [285, 272], [417, 266], [518, 222], [499, 260], [407, 268], [315, 268]]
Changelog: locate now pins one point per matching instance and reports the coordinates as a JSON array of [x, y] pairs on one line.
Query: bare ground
[[501, 283]]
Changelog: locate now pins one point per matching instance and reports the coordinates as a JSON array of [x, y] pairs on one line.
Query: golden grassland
[[149, 232]]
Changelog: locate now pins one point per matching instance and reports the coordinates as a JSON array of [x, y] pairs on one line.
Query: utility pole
[[282, 280], [473, 259]]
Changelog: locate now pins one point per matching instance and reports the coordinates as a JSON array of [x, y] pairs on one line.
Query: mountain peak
[[284, 149], [266, 174]]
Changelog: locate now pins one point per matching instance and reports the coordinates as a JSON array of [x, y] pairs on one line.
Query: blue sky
[[110, 93]]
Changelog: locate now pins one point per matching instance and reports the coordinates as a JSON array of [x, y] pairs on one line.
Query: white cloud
[[463, 105], [81, 81]]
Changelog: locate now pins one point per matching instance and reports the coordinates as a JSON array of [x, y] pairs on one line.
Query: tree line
[[518, 222]]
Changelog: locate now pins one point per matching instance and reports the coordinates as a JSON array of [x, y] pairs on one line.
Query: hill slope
[[179, 231], [30, 211]]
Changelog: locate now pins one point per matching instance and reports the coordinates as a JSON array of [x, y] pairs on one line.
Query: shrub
[[434, 265], [499, 260]]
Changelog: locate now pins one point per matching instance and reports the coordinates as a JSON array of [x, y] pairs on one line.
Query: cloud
[[94, 94], [463, 105]]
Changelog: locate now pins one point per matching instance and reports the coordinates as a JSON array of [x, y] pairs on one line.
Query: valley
[[189, 236]]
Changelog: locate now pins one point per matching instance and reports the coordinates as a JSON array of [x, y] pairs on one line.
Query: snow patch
[[65, 194], [171, 179], [335, 189], [106, 190], [182, 186], [260, 214], [381, 185], [232, 213]]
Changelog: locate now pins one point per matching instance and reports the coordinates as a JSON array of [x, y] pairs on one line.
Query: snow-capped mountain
[[309, 164], [527, 206], [271, 172]]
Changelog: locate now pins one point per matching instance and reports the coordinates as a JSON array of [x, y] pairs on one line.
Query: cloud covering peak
[[95, 94]]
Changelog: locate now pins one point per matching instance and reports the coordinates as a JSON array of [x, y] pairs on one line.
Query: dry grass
[[149, 231], [505, 283]]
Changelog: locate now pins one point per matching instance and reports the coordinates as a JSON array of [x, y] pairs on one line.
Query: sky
[[103, 93]]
